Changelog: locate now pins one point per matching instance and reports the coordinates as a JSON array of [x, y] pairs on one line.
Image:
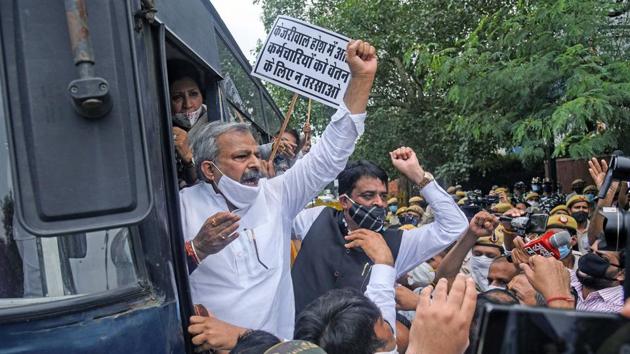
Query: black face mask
[[409, 220], [372, 218], [580, 216], [593, 282], [595, 268], [547, 188], [578, 189]]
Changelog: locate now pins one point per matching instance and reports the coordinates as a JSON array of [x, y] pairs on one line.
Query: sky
[[243, 19]]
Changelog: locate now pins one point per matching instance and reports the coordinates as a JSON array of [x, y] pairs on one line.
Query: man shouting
[[238, 224]]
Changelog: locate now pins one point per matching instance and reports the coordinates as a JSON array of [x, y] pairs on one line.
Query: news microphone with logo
[[548, 244]]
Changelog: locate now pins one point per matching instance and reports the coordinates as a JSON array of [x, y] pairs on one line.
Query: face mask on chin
[[479, 267], [372, 218], [421, 276], [188, 119], [492, 287], [239, 194]]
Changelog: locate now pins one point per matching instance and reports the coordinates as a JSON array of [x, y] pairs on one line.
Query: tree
[[540, 78], [463, 82], [405, 109]]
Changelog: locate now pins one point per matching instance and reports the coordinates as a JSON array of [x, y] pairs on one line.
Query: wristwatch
[[426, 179]]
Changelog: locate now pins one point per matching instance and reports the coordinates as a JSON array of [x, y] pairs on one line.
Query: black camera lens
[[616, 222]]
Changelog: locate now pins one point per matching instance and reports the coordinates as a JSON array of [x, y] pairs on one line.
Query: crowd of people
[[375, 273]]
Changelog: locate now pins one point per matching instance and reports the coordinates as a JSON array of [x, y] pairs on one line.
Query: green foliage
[[537, 77], [461, 81]]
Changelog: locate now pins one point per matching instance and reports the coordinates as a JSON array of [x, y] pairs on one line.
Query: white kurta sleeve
[[323, 163], [418, 245], [381, 291], [304, 220]]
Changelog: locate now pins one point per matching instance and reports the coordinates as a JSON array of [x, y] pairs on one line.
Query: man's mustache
[[251, 175]]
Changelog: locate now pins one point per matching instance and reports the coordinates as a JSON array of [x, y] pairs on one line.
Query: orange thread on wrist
[[560, 298]]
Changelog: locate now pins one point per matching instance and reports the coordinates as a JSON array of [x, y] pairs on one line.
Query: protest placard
[[306, 59]]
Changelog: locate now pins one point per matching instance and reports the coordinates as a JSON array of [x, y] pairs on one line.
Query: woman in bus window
[[188, 114]]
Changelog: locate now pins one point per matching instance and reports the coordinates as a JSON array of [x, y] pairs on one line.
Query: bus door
[[87, 263]]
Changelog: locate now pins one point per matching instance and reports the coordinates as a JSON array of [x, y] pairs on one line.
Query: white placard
[[306, 59]]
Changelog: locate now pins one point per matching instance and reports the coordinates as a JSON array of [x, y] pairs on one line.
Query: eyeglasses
[[253, 237], [601, 255]]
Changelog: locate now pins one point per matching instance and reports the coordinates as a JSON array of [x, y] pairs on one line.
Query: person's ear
[[208, 171], [345, 202], [621, 276]]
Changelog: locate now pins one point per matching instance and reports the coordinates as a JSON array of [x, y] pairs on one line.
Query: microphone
[[547, 245]]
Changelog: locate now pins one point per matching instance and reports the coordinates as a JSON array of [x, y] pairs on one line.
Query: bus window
[[240, 89], [41, 269], [234, 115], [193, 102], [273, 122]]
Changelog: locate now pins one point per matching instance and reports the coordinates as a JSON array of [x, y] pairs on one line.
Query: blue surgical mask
[[564, 251], [393, 208]]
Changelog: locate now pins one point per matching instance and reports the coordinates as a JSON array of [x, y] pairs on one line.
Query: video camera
[[617, 221], [478, 199], [530, 223]]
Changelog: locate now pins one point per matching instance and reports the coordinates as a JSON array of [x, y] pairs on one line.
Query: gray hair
[[203, 141]]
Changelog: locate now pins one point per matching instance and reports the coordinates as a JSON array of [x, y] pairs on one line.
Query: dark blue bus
[[91, 251]]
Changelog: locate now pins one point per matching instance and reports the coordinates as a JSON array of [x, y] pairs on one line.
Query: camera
[[616, 221], [616, 224], [476, 198], [528, 224]]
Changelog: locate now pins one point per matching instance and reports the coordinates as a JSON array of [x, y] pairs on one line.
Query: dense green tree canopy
[[463, 82]]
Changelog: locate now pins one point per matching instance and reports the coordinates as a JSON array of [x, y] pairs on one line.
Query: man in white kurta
[[248, 282]]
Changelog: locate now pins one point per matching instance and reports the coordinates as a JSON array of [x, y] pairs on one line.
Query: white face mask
[[422, 275], [491, 287], [240, 195], [479, 266], [191, 117]]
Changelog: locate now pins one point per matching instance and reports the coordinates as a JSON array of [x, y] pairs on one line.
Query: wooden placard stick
[[308, 120], [239, 116], [287, 116]]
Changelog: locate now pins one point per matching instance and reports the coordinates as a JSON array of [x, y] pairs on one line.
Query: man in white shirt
[[238, 225]]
